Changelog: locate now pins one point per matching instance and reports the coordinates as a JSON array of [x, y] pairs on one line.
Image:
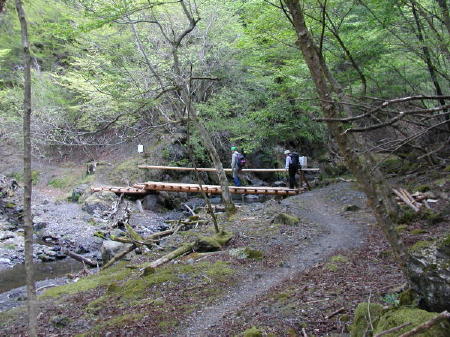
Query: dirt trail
[[318, 207]]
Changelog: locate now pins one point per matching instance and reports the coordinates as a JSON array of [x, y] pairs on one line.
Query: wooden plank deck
[[125, 190], [147, 187], [214, 189]]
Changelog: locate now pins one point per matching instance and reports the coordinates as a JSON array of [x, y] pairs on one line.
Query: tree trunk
[[445, 14], [27, 219], [361, 164]]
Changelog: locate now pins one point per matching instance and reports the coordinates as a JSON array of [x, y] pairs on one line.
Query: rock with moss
[[252, 332], [367, 316], [286, 219], [399, 316], [408, 298], [99, 202], [78, 191], [429, 273], [212, 243], [110, 248], [60, 321], [246, 253]]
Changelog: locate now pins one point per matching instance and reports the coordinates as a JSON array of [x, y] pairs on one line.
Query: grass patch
[[113, 322], [339, 259], [10, 246], [103, 278], [18, 176]]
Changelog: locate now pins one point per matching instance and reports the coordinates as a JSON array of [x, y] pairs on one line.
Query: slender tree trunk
[[2, 5], [445, 14], [362, 165], [27, 219]]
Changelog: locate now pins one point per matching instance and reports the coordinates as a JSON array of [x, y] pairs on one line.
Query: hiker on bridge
[[292, 165], [237, 163]]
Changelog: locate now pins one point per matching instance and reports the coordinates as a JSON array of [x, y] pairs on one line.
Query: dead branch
[[189, 209], [335, 312], [392, 330], [81, 258], [304, 332], [406, 198], [186, 248], [428, 324]]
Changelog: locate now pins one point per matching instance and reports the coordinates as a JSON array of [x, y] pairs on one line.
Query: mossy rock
[[60, 321], [246, 253], [252, 332], [408, 298], [419, 246], [212, 243], [397, 317], [286, 219], [361, 324]]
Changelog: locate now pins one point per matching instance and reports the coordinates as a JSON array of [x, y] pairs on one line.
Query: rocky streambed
[[82, 225]]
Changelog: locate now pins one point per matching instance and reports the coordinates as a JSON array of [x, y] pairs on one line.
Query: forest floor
[[332, 259]]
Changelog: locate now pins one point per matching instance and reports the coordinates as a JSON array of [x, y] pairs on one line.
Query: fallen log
[[394, 329], [186, 248], [80, 258], [119, 255], [405, 199], [428, 324], [334, 313]]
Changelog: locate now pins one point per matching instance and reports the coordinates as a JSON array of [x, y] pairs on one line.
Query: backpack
[[295, 160], [240, 159]]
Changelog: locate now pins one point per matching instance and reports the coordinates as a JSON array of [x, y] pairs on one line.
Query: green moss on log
[[397, 317]]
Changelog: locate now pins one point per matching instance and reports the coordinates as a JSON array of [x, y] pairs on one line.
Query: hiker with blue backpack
[[292, 165], [237, 163]]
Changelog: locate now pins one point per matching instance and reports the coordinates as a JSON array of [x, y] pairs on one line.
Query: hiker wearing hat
[[237, 163], [292, 165]]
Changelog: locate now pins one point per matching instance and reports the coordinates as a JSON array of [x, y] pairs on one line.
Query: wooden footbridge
[[150, 186]]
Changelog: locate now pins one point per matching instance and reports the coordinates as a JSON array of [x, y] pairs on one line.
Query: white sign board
[[140, 148], [303, 161]]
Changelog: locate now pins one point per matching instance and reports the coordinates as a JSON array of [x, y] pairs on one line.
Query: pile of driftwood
[[416, 200]]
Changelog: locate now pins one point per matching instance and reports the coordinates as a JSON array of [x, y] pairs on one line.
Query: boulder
[[100, 201], [150, 202], [110, 248], [286, 219], [429, 273], [78, 191]]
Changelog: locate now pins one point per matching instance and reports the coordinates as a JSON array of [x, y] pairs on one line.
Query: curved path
[[339, 233]]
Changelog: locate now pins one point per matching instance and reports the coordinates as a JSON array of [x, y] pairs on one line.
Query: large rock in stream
[[429, 273], [110, 248], [99, 202]]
